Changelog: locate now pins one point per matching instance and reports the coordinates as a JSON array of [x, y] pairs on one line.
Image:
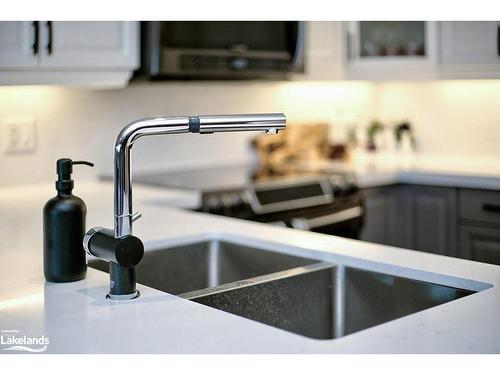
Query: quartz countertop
[[373, 170], [77, 318]]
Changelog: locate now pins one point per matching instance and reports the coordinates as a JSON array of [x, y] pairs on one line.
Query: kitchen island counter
[[77, 318]]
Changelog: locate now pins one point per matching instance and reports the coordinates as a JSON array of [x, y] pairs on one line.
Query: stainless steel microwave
[[222, 49]]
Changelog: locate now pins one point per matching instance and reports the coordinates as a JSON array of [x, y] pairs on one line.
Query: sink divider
[[338, 280], [258, 280], [213, 264]]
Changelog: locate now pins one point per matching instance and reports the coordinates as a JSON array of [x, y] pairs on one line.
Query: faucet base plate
[[123, 297]]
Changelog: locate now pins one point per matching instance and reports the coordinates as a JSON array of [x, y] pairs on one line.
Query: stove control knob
[[227, 200], [244, 198], [240, 198], [336, 189], [213, 204], [299, 223]]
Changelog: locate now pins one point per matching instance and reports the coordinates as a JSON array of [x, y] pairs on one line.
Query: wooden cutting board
[[296, 142]]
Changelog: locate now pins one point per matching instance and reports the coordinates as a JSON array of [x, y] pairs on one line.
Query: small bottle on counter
[[63, 229]]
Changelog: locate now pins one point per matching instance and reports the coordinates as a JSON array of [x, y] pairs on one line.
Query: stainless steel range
[[302, 199]]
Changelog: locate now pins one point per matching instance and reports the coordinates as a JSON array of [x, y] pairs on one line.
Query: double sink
[[320, 300]]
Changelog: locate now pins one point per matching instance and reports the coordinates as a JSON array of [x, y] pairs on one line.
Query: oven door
[[346, 222]]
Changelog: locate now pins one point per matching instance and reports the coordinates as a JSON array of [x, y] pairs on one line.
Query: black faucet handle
[[126, 251]]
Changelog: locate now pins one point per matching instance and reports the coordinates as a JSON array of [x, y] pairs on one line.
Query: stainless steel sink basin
[[324, 301], [314, 299], [206, 264]]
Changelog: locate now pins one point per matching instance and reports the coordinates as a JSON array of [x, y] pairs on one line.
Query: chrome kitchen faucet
[[120, 248]]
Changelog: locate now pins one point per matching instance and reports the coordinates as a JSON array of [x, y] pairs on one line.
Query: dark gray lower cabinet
[[434, 220], [463, 223], [376, 210], [400, 218], [480, 225], [415, 217], [480, 244], [387, 219]]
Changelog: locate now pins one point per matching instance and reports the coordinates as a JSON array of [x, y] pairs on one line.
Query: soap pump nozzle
[[64, 167]]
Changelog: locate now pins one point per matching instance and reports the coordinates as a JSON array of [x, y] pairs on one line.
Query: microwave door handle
[[330, 219]]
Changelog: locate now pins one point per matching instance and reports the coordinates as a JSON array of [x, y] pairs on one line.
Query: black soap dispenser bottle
[[63, 229]]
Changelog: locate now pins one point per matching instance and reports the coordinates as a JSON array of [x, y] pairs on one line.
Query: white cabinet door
[[392, 50], [90, 45], [470, 49], [470, 42], [18, 44]]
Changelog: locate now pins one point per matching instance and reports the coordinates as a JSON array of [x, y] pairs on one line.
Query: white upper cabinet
[[102, 54], [18, 44], [470, 49], [92, 45], [385, 50]]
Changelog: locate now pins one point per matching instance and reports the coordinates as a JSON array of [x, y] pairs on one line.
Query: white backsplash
[[449, 117], [83, 124]]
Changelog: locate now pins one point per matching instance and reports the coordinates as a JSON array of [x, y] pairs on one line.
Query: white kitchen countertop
[[77, 318], [373, 170]]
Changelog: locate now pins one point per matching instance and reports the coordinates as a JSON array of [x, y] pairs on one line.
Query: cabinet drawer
[[481, 205], [480, 244]]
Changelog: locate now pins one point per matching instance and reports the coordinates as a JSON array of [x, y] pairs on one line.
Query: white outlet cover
[[19, 134]]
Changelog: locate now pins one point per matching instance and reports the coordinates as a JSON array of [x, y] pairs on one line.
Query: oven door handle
[[330, 219]]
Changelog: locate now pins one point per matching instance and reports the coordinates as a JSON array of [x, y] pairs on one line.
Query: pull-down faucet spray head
[[99, 241]]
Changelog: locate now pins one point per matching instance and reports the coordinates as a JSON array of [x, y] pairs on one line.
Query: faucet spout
[[122, 278], [173, 125]]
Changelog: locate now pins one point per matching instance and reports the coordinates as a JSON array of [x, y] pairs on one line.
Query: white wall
[[449, 117], [83, 124]]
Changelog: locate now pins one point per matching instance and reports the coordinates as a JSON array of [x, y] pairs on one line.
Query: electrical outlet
[[19, 135]]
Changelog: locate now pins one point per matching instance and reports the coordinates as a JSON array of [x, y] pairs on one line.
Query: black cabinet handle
[[49, 43], [498, 39], [491, 207], [36, 34]]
